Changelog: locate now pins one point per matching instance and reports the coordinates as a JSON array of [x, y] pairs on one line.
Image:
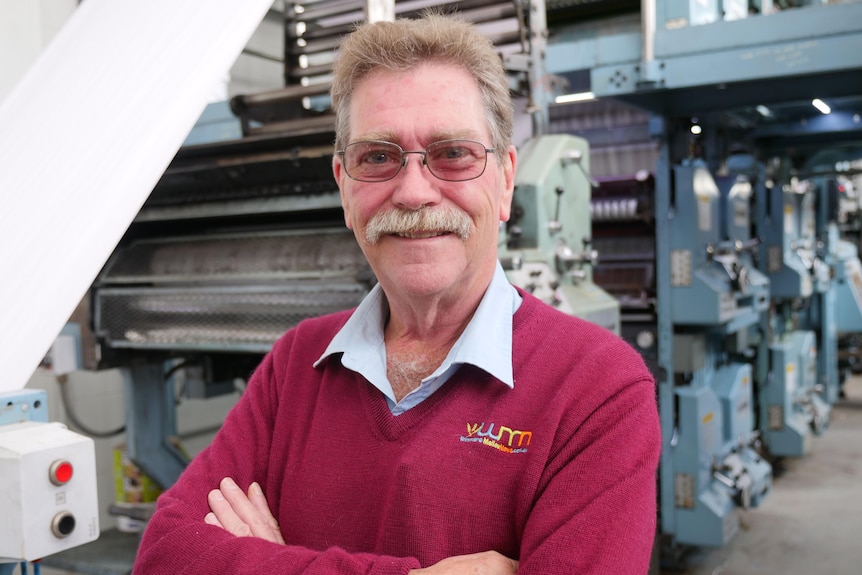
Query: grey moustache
[[417, 221]]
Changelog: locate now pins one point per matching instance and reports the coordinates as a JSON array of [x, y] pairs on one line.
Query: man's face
[[413, 109]]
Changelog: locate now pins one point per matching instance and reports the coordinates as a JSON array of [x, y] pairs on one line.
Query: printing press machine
[[546, 247], [714, 77], [623, 221], [835, 179], [792, 406], [692, 238], [239, 241], [716, 298]]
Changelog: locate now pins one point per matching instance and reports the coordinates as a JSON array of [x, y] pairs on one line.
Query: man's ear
[[340, 175], [510, 163]]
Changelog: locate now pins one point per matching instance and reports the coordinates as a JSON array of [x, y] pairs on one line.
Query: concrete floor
[[811, 523]]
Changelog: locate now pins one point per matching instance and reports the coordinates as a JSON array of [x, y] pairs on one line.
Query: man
[[451, 424]]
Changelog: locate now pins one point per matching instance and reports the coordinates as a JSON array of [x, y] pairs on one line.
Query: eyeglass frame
[[403, 162]]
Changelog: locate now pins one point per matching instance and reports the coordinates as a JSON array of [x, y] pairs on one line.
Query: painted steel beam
[[823, 41]]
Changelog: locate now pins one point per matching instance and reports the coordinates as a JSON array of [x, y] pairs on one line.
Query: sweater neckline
[[392, 427]]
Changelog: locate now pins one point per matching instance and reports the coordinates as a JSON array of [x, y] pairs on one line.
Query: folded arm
[[248, 515]]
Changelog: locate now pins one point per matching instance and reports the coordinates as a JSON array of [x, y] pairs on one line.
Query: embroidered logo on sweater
[[505, 439]]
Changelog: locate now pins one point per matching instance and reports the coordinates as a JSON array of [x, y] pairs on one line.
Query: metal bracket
[[151, 424]]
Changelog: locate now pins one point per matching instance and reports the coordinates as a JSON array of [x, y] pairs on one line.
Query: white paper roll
[[85, 136]]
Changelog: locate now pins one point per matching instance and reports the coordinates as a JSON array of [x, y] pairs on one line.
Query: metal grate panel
[[257, 257], [239, 318]]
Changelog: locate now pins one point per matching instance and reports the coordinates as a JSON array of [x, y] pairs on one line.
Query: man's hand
[[241, 514], [486, 563], [248, 515]]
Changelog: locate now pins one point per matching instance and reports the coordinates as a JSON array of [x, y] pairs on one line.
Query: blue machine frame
[[745, 53], [708, 295], [693, 61]]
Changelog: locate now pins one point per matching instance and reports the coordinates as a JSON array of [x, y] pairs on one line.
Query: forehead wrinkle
[[380, 136], [437, 135], [461, 134]]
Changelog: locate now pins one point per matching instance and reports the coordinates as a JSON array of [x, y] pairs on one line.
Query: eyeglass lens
[[451, 160]]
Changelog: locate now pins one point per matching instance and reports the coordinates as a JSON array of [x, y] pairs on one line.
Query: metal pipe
[[297, 127], [539, 92], [380, 10], [648, 19], [280, 96]]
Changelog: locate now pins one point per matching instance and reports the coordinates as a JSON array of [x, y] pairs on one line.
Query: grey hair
[[404, 44]]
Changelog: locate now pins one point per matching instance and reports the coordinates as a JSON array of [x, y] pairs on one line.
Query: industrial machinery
[[835, 173], [715, 298], [821, 316], [239, 241], [48, 482], [623, 222], [679, 256], [731, 266], [848, 303], [791, 405], [546, 247], [837, 313]]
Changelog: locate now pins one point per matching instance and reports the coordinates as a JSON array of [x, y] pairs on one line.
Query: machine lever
[[576, 156], [749, 245], [731, 473], [571, 263], [555, 225]]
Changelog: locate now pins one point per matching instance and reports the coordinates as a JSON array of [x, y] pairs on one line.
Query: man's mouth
[[419, 235]]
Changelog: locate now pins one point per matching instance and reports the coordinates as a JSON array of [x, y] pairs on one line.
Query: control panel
[[48, 484]]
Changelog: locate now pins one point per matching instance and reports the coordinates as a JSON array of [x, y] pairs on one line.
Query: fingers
[[240, 514], [225, 514], [258, 499], [485, 563]]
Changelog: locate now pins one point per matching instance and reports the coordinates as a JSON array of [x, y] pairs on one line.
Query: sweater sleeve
[[177, 541], [595, 512]]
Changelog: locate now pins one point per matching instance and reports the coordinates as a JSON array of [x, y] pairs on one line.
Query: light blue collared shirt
[[486, 342]]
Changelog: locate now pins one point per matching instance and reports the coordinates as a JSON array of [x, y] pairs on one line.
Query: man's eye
[[455, 156], [377, 157], [453, 152]]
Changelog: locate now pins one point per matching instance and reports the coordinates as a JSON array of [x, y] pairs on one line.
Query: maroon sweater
[[558, 472]]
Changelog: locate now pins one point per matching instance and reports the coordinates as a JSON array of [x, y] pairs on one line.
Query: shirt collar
[[486, 341]]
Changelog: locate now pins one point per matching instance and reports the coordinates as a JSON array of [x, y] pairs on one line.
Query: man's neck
[[420, 331]]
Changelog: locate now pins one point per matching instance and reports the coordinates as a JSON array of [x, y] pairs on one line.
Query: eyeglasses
[[449, 160]]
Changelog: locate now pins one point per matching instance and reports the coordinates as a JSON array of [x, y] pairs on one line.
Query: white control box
[[48, 495]]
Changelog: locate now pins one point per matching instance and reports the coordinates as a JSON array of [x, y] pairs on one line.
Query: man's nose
[[419, 159], [415, 185]]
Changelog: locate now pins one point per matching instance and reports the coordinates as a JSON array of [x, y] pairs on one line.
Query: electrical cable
[[178, 397], [176, 367], [73, 417]]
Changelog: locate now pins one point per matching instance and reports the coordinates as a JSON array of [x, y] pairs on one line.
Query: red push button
[[60, 472]]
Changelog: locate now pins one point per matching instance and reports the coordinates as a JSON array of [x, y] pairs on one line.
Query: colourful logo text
[[505, 438]]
